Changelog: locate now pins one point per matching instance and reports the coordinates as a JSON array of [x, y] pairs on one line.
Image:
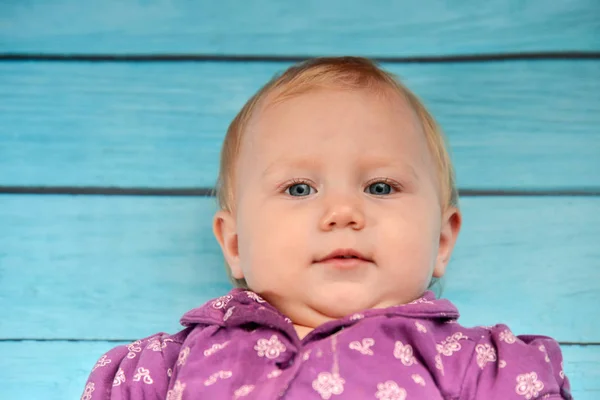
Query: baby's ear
[[225, 231], [451, 223]]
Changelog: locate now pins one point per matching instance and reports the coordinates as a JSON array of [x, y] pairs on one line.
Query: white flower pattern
[[451, 344], [229, 313], [214, 348], [485, 354], [183, 355], [274, 374], [448, 347], [356, 317], [143, 374], [438, 363], [328, 384], [528, 385], [177, 392], [364, 347], [119, 378], [216, 376], [255, 297], [101, 362], [422, 300], [404, 353], [154, 345], [270, 348], [507, 336], [420, 327], [306, 355], [390, 390], [134, 348], [222, 302], [87, 393], [562, 371], [542, 348], [418, 379], [243, 391]]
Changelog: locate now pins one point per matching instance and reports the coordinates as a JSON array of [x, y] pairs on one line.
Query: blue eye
[[379, 188], [299, 190]]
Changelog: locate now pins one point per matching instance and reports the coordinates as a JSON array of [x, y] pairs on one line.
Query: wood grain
[[93, 267], [514, 125], [301, 27], [48, 370]]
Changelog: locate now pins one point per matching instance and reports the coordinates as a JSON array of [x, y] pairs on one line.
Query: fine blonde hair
[[348, 73]]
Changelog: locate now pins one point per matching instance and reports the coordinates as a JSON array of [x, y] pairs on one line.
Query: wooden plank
[[303, 27], [48, 370], [529, 261], [92, 267], [518, 125], [59, 370], [96, 261]]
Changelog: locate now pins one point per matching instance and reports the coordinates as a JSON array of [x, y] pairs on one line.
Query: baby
[[338, 213]]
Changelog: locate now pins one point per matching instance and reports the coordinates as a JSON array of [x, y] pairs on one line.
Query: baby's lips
[[344, 253]]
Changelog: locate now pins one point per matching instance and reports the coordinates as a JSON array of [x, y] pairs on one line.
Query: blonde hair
[[352, 73]]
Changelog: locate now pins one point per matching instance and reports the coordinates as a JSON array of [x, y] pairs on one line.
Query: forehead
[[334, 125]]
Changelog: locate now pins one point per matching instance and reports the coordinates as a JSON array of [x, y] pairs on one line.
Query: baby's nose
[[343, 216]]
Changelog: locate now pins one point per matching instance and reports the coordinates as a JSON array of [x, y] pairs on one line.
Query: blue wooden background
[[111, 120]]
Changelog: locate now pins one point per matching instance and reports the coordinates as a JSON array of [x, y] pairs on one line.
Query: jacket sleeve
[[505, 366], [140, 370]]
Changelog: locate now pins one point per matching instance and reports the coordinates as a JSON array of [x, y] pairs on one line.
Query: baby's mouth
[[344, 255]]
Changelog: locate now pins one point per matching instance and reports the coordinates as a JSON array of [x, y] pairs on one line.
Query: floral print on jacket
[[240, 347]]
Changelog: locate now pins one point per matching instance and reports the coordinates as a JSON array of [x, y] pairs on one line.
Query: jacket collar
[[241, 306]]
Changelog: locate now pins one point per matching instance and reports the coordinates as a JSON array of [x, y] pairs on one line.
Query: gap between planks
[[210, 192], [544, 55]]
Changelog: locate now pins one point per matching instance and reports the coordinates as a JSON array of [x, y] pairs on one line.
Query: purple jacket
[[240, 347]]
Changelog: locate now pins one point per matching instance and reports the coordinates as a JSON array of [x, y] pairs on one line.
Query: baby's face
[[332, 170]]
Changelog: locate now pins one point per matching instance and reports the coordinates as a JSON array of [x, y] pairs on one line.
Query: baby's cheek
[[264, 260], [411, 260]]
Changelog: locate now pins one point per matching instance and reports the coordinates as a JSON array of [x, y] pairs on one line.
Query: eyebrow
[[300, 163], [367, 163]]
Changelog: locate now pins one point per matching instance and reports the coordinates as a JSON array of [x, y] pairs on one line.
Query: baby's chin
[[336, 304]]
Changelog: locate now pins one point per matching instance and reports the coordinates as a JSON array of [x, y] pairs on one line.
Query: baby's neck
[[302, 331]]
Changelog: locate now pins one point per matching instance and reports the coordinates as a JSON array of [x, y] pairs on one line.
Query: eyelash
[[296, 181]]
